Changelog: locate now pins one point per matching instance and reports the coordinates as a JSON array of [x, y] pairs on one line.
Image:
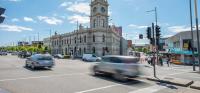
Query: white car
[[120, 67], [91, 57]]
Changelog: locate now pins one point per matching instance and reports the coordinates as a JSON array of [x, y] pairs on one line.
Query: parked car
[[24, 54], [40, 61], [59, 56], [120, 67], [3, 53], [91, 57]]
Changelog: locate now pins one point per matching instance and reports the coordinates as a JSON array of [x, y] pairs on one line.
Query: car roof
[[120, 56]]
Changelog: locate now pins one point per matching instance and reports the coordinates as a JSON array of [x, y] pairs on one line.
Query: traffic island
[[196, 85], [172, 80]]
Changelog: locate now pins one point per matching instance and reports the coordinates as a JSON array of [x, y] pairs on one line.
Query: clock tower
[[99, 14]]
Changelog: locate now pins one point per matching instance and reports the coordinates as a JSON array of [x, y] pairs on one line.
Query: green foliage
[[41, 49]]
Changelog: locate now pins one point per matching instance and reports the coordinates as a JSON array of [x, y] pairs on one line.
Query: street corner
[[172, 80], [196, 85]]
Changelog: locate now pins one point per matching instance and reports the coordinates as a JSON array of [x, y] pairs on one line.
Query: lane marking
[[100, 88], [150, 89], [3, 80]]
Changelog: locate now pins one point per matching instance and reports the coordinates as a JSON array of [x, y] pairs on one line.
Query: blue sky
[[26, 18]]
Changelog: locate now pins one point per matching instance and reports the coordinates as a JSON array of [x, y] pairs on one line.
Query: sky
[[24, 19]]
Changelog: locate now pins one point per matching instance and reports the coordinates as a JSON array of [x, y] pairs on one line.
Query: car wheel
[[26, 65], [119, 76], [98, 60], [32, 67], [95, 71]]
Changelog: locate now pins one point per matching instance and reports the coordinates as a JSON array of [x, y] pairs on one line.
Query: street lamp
[[192, 41], [154, 44], [197, 28]]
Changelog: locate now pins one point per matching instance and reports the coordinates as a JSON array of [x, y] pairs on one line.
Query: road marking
[[3, 80], [150, 89], [100, 88]]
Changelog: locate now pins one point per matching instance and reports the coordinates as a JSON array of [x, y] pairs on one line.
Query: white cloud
[[15, 20], [133, 26], [14, 28], [82, 8], [65, 4], [14, 0], [177, 29], [28, 19], [50, 20], [79, 18]]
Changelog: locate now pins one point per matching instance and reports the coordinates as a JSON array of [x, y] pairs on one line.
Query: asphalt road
[[73, 76]]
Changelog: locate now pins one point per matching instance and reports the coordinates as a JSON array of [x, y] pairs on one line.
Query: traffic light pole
[[197, 28], [192, 40], [154, 44], [157, 42]]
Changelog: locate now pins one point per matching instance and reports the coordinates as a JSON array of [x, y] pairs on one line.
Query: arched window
[[84, 50], [94, 23], [85, 38], [93, 50], [75, 40], [80, 39], [93, 38], [103, 38], [102, 23]]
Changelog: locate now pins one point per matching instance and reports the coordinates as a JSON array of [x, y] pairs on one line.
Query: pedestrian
[[149, 60], [161, 61], [168, 61]]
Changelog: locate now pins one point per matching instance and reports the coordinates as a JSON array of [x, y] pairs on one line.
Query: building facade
[[100, 39], [179, 46]]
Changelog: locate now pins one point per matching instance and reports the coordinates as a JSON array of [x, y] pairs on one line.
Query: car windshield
[[130, 60], [44, 58]]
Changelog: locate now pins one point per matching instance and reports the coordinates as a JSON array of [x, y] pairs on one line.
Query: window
[[85, 38], [102, 22], [80, 40], [103, 38], [93, 38], [67, 41], [70, 41], [84, 50], [93, 50], [94, 23], [75, 40]]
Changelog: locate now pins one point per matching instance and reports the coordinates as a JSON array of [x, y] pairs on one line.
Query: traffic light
[[149, 32], [2, 10], [158, 35], [158, 31], [152, 41], [140, 36]]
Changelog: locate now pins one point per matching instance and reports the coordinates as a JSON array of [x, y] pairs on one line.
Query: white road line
[[100, 88], [150, 89], [42, 77]]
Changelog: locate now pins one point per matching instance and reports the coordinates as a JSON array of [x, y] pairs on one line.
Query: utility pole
[[154, 45], [197, 28], [192, 40]]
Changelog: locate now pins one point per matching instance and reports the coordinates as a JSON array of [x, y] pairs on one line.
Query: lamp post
[[192, 37], [154, 39], [197, 28]]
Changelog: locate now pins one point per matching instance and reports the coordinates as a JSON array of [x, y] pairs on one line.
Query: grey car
[[120, 67], [40, 61]]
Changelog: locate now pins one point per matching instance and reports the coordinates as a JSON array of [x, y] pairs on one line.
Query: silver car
[[120, 67], [40, 60]]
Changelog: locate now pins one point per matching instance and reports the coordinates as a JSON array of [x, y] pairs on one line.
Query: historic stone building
[[100, 39]]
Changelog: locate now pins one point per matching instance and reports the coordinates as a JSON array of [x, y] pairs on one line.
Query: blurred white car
[[120, 67], [40, 60], [91, 57]]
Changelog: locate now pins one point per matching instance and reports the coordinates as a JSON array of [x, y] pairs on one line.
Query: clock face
[[94, 9], [103, 9]]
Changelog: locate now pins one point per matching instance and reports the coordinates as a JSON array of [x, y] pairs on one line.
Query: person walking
[[168, 61], [161, 61]]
